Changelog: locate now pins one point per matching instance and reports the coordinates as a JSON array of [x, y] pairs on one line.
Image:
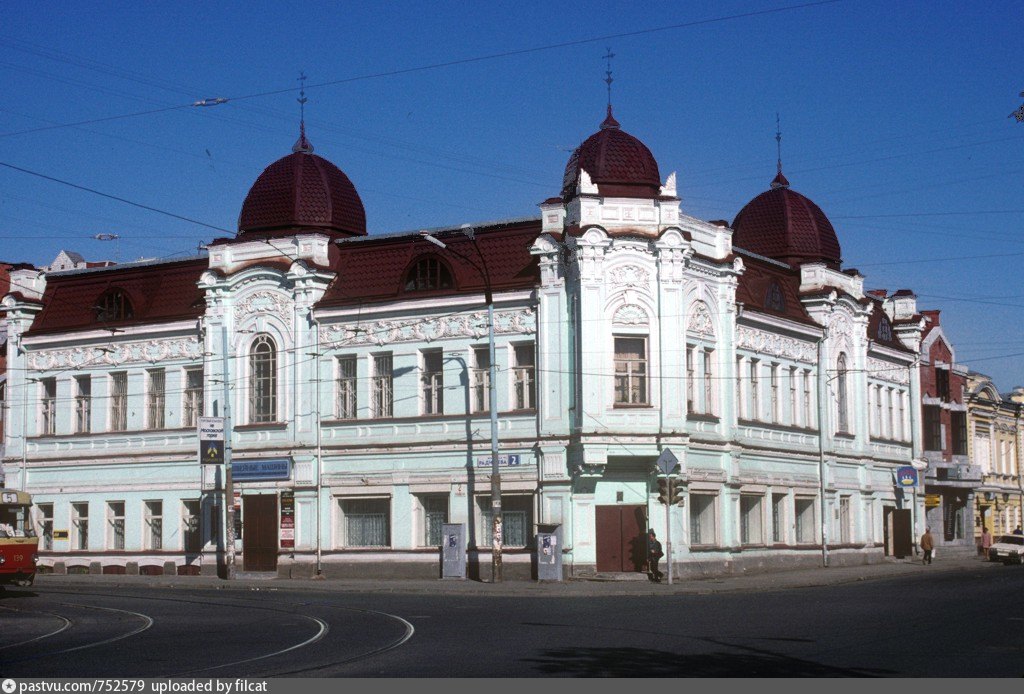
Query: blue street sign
[[906, 476], [503, 460], [261, 470]]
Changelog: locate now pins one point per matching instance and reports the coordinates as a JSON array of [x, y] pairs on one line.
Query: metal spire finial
[[778, 143], [302, 145], [608, 74]]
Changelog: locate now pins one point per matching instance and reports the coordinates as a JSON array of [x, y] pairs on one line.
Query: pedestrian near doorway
[[986, 542], [928, 545], [1018, 531], [654, 555]]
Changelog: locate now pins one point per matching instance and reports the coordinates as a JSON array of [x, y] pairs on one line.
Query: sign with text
[[261, 470], [211, 440], [503, 461], [287, 520]]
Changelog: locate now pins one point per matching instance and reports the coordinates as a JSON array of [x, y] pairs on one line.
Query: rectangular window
[[191, 532], [3, 407], [516, 517], [690, 404], [631, 371], [709, 387], [750, 519], [153, 530], [794, 411], [774, 375], [741, 404], [481, 379], [118, 401], [45, 516], [382, 387], [808, 420], [702, 519], [156, 396], [524, 377], [83, 404], [932, 428], [80, 526], [49, 408], [845, 520], [192, 405], [890, 428], [345, 408], [755, 386], [900, 428], [958, 422], [803, 509], [779, 518], [942, 384], [115, 525], [435, 514], [432, 382], [366, 522]]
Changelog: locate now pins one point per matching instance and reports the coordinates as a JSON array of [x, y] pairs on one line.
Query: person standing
[[927, 544], [986, 542], [654, 555], [1018, 531]]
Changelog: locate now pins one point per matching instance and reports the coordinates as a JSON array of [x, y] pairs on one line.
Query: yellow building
[[995, 446]]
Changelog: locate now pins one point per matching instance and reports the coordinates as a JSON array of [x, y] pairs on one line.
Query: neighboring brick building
[[950, 480]]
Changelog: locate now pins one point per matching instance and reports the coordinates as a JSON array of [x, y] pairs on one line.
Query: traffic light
[[663, 490], [677, 493]]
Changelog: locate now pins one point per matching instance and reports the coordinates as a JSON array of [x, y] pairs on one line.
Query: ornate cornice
[[117, 354], [888, 371], [469, 325], [776, 345]]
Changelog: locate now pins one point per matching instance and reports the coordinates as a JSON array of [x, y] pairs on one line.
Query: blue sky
[[894, 120]]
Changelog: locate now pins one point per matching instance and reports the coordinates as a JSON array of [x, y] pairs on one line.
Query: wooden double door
[[621, 538], [259, 532]]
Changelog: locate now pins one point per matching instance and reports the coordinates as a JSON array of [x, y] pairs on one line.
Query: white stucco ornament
[[261, 302], [700, 320], [631, 276], [630, 315]]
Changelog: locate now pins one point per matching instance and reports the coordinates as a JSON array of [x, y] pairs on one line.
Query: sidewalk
[[957, 560]]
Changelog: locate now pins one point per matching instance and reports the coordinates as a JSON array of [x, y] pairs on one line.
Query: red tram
[[18, 542]]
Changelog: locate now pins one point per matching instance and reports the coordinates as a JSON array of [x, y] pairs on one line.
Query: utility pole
[[229, 491]]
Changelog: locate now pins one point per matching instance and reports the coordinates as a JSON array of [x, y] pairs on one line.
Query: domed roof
[[302, 192], [617, 162], [782, 224]]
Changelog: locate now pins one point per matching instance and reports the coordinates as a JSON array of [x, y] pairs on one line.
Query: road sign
[[667, 461], [211, 440], [906, 476]]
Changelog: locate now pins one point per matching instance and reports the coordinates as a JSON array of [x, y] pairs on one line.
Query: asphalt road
[[965, 623]]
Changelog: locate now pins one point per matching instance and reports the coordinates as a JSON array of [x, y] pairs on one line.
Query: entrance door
[[621, 538], [902, 533], [259, 539]]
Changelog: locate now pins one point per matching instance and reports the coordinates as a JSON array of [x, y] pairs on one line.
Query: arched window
[[114, 305], [428, 274], [885, 329], [773, 298], [263, 380], [843, 419]]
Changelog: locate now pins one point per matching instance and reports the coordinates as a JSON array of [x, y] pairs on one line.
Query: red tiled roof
[[874, 320], [755, 282], [782, 224], [302, 191], [620, 164], [374, 270], [158, 292]]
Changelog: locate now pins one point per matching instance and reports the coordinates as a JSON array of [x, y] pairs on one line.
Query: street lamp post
[[496, 517]]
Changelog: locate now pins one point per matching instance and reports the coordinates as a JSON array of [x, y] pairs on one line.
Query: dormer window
[[885, 330], [428, 274], [114, 306], [773, 299]]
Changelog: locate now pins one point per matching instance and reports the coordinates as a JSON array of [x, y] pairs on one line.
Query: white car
[[1009, 549]]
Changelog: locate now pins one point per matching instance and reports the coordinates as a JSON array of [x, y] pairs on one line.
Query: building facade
[[353, 374], [994, 422]]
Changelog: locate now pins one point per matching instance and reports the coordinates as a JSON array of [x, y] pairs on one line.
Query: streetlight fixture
[[496, 517]]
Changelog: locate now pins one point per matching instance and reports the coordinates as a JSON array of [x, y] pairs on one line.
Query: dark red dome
[[784, 225], [617, 162], [302, 192]]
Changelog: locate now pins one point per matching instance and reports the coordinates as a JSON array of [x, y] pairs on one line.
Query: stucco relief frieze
[[887, 371], [700, 320], [775, 345], [631, 314], [148, 351], [261, 302], [629, 276], [470, 325]]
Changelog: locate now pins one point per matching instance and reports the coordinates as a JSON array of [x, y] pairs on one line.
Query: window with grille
[[192, 407], [118, 401], [366, 522], [115, 525], [884, 329], [435, 515], [263, 380], [702, 519], [843, 419], [83, 404], [631, 371], [803, 509], [114, 306], [382, 386], [432, 382], [779, 518], [80, 526], [524, 377], [345, 408], [428, 274], [481, 376], [49, 406], [751, 532], [45, 516], [516, 521], [156, 398], [153, 525], [191, 533], [845, 520]]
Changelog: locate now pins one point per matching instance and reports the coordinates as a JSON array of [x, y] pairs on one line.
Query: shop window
[[366, 522], [702, 519], [750, 519], [803, 510], [435, 515], [779, 518], [516, 516]]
